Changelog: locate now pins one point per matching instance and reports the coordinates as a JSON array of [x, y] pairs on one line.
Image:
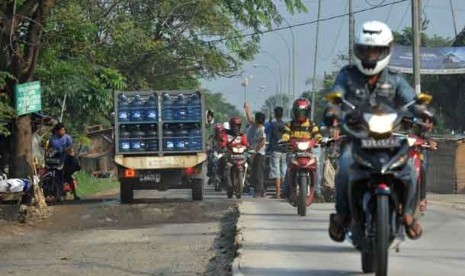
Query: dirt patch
[[104, 237]]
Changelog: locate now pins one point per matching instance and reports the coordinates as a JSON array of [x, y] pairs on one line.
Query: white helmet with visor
[[373, 47]]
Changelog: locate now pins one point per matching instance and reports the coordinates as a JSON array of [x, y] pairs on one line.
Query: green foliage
[[222, 109], [92, 48], [89, 185], [277, 100], [7, 113]]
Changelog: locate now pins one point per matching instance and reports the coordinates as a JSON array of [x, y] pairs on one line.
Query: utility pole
[[351, 31], [314, 61], [416, 26], [453, 17]]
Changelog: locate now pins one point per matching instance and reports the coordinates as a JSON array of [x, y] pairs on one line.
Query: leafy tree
[[277, 100], [21, 29], [320, 100], [222, 109], [86, 48]]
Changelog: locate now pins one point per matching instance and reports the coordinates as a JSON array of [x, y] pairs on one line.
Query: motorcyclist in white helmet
[[368, 82]]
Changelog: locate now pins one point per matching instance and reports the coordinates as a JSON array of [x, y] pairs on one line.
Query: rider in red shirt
[[233, 135]]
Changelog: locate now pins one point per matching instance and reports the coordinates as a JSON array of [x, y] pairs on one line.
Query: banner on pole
[[444, 60]]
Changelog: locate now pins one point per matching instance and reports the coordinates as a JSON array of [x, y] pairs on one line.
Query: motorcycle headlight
[[303, 145], [380, 123], [238, 149]]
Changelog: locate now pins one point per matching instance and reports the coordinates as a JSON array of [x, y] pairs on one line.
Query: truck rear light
[[190, 171], [129, 173]]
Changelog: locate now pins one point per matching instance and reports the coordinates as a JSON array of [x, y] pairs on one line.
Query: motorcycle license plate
[[381, 143], [303, 154], [237, 156]]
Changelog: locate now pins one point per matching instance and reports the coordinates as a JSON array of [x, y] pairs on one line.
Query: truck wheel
[[126, 192], [197, 189]]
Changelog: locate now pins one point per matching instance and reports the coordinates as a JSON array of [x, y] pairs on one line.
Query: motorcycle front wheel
[[237, 182], [382, 235], [302, 195]]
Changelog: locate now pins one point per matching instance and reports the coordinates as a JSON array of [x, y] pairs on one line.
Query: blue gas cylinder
[[180, 108], [152, 138], [151, 109], [195, 138], [194, 108], [181, 140], [167, 108], [123, 108], [136, 110], [124, 141], [168, 140], [137, 139]]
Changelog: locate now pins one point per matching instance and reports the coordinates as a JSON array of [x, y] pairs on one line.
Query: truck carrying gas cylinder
[[160, 141]]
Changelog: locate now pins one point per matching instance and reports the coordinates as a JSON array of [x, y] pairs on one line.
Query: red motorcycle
[[302, 170], [417, 145], [236, 162]]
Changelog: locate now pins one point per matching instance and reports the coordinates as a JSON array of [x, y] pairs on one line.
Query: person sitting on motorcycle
[[368, 82], [215, 146], [61, 146], [230, 138], [301, 127]]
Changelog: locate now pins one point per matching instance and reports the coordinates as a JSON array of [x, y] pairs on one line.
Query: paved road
[[278, 242]]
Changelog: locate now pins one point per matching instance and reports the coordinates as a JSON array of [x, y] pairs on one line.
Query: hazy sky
[[333, 40]]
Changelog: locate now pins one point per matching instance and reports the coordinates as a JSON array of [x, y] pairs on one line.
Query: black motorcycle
[[377, 194], [51, 181]]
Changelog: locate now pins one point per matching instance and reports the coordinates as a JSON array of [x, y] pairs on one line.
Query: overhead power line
[[308, 22], [375, 5]]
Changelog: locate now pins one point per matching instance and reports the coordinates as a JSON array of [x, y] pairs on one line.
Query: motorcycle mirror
[[334, 97], [112, 118], [209, 117], [423, 98]]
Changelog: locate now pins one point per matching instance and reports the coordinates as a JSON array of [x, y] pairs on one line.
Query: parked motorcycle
[[302, 169], [236, 161], [377, 194], [52, 181]]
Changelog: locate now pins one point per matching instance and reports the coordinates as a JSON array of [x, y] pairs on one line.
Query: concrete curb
[[457, 205], [236, 265]]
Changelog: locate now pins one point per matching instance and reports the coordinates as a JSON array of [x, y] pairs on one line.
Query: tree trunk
[[21, 140], [21, 60]]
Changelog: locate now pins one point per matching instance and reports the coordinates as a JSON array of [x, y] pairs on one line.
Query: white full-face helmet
[[373, 47]]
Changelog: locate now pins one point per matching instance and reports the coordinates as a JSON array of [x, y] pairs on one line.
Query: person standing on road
[[257, 142], [278, 162]]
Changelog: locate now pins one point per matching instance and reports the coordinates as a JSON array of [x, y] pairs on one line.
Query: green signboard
[[28, 97]]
